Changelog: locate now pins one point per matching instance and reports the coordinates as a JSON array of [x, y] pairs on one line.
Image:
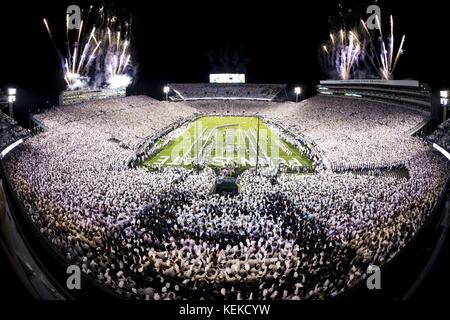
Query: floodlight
[[12, 91], [166, 89], [445, 94], [298, 91]]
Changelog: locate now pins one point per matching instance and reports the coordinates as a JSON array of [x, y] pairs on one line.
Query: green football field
[[218, 141]]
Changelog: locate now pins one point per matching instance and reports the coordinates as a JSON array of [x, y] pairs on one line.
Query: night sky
[[277, 41]]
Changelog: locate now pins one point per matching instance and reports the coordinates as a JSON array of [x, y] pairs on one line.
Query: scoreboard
[[227, 78]]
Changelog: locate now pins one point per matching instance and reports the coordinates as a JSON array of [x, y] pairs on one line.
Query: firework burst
[[382, 52], [340, 54], [97, 54]]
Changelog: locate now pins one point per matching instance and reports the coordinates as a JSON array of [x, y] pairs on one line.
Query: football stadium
[[229, 189]]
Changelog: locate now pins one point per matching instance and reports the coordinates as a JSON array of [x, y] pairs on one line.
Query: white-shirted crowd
[[10, 131], [367, 130], [214, 90], [163, 235], [442, 136]]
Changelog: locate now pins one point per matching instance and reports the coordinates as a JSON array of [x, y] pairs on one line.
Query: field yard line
[[264, 152], [281, 144], [212, 132], [194, 143], [206, 143], [243, 139], [251, 142]]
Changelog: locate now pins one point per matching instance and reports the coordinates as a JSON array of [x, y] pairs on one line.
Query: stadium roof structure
[[234, 91], [377, 82], [406, 93]]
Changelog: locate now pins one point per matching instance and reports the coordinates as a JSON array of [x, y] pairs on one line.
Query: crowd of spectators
[[219, 91], [163, 235], [10, 131], [442, 136]]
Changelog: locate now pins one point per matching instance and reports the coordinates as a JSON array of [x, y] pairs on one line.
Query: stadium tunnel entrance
[[226, 186]]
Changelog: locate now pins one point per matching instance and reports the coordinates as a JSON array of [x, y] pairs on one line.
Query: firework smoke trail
[[117, 55], [340, 56], [384, 56], [85, 51], [48, 29], [65, 63], [106, 46]]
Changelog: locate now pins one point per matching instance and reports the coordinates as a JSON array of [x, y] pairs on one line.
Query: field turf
[[217, 141]]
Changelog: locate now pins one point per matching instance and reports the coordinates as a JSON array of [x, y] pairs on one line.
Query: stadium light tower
[[166, 90], [445, 94], [11, 100], [297, 91]]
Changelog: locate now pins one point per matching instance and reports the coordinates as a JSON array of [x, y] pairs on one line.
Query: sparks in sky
[[96, 54]]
